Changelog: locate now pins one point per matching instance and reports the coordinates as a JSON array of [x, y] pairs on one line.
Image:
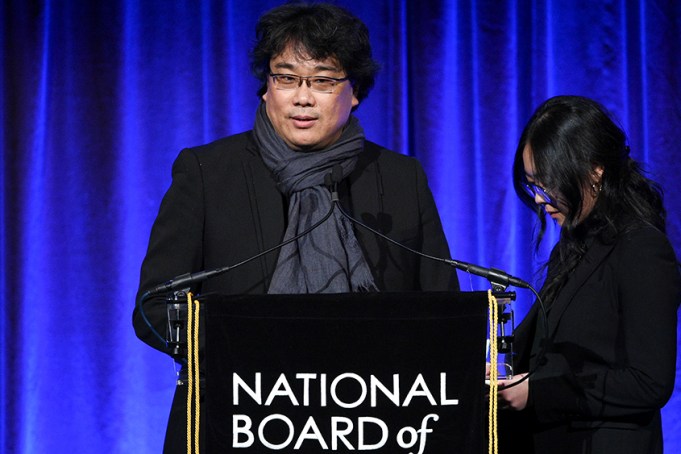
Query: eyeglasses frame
[[336, 80], [534, 190]]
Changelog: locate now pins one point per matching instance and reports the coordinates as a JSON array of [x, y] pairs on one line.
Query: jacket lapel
[[591, 260], [267, 209], [361, 196]]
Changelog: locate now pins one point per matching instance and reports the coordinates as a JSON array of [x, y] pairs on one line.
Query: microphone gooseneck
[[495, 276], [189, 279]]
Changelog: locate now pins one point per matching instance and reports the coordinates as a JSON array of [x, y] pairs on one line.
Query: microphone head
[[337, 173]]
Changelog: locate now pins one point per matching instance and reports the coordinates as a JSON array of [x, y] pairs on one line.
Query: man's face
[[305, 119]]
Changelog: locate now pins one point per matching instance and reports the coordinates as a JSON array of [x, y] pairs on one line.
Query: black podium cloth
[[375, 372]]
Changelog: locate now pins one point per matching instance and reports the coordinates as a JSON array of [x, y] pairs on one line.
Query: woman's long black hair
[[570, 136]]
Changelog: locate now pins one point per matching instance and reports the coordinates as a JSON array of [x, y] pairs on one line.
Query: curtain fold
[[99, 97]]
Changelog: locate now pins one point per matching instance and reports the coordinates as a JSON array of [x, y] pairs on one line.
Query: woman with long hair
[[601, 355]]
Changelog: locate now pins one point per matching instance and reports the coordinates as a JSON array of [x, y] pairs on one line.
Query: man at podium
[[232, 199]]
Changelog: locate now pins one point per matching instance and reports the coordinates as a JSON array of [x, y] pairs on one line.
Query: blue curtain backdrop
[[99, 97]]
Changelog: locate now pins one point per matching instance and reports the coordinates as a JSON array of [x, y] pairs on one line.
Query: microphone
[[187, 279], [494, 276], [336, 175]]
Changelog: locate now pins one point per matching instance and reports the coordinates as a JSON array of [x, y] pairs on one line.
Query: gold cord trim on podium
[[193, 378], [493, 373]]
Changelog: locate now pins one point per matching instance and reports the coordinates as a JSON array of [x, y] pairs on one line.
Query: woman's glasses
[[535, 190]]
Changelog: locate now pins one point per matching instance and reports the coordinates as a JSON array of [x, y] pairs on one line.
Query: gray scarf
[[328, 259]]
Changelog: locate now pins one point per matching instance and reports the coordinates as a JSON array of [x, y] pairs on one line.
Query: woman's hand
[[514, 398]]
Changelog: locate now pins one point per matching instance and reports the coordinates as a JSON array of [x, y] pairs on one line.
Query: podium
[[374, 372]]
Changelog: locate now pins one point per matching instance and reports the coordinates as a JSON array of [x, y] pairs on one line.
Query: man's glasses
[[315, 83], [536, 190]]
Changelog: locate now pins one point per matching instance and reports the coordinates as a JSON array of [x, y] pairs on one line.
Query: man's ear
[[355, 100]]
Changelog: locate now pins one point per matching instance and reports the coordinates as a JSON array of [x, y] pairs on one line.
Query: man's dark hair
[[318, 31]]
